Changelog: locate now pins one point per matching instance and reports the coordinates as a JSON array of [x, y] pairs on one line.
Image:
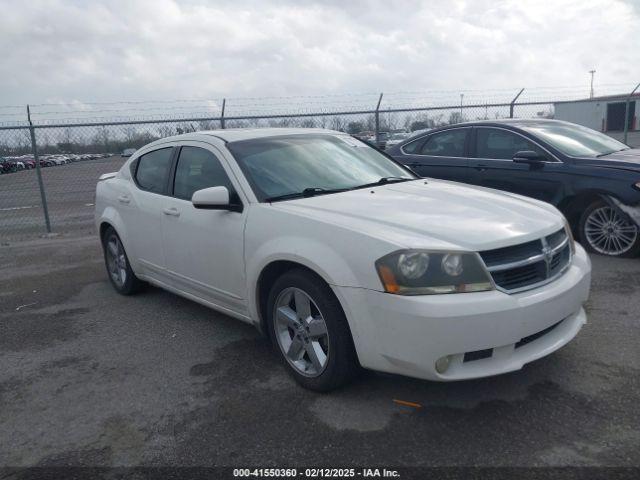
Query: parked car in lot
[[592, 178], [127, 152], [7, 166], [396, 138], [344, 257], [29, 162]]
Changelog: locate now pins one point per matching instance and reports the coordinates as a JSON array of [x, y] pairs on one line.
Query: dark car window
[[153, 170], [449, 143], [502, 144], [197, 169], [412, 147]]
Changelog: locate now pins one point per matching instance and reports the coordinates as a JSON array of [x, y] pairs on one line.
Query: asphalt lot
[[89, 377], [70, 191]]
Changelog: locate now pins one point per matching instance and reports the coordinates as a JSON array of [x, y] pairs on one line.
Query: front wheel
[[310, 331], [604, 230]]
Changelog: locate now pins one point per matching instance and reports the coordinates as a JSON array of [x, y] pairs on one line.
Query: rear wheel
[[310, 332], [604, 230], [120, 273]]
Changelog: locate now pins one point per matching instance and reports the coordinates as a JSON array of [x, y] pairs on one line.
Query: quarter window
[[449, 143], [153, 170], [197, 169], [501, 144]]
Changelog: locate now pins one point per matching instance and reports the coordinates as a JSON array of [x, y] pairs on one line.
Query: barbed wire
[[75, 111]]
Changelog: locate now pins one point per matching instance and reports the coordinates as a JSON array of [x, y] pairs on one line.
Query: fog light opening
[[442, 364]]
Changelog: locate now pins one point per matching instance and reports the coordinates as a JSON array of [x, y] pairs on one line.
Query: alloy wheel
[[301, 332], [608, 232], [116, 261]]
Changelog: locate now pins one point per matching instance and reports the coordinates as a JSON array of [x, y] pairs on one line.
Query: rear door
[[493, 149], [141, 209], [441, 155]]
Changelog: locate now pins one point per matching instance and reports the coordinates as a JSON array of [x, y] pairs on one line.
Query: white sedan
[[342, 257]]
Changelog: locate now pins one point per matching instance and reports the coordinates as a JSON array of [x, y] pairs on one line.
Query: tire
[[117, 263], [605, 231], [302, 337]]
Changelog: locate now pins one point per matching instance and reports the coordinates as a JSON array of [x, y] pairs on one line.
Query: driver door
[[204, 249], [492, 165]]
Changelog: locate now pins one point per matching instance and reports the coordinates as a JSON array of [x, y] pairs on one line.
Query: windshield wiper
[[613, 151], [307, 192], [384, 181]]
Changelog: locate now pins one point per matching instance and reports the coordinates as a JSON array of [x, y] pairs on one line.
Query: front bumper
[[407, 335]]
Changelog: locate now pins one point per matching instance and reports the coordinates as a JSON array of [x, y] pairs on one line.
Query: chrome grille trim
[[552, 257], [533, 259]]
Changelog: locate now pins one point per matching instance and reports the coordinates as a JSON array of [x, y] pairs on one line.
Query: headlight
[[423, 272]]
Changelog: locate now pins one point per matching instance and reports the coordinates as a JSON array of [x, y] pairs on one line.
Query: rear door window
[[449, 143], [153, 169]]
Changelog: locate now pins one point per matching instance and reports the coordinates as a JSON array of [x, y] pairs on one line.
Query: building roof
[[621, 97]]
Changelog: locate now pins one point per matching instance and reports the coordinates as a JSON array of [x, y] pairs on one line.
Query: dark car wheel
[[310, 332], [120, 273], [604, 230]]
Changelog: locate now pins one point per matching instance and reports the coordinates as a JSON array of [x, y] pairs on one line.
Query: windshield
[[576, 140], [284, 165]]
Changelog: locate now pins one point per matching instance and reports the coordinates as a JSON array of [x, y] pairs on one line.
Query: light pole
[[591, 72]]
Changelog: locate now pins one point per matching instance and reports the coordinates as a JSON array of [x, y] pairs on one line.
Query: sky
[[75, 51]]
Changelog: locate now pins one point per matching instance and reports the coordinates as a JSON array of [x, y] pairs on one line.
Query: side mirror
[[528, 156], [214, 198]]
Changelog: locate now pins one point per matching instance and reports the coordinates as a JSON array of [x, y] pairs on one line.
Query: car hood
[[433, 214], [626, 159]]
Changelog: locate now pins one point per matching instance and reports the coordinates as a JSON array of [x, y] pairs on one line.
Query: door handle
[[481, 167], [171, 211], [124, 199]]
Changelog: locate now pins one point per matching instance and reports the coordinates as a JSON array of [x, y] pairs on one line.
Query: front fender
[[315, 255]]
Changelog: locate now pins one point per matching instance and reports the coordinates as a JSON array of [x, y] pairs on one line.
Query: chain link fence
[[53, 158]]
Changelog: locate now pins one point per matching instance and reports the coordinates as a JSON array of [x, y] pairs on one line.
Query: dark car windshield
[[575, 140], [312, 163]]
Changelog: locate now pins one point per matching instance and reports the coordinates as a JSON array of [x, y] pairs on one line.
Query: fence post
[[224, 103], [626, 114], [34, 148], [378, 120], [513, 103]]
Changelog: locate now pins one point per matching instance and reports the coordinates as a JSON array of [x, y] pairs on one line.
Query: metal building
[[605, 114]]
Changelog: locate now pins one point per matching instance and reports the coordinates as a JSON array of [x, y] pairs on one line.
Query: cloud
[[164, 49]]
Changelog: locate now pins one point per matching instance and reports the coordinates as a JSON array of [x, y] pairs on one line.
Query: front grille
[[519, 267]]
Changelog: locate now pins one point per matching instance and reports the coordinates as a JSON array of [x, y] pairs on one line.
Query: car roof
[[515, 122], [238, 134]]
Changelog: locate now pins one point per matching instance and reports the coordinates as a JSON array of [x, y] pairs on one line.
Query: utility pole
[[591, 72]]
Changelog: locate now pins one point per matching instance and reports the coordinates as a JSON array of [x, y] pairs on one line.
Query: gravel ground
[[89, 377]]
